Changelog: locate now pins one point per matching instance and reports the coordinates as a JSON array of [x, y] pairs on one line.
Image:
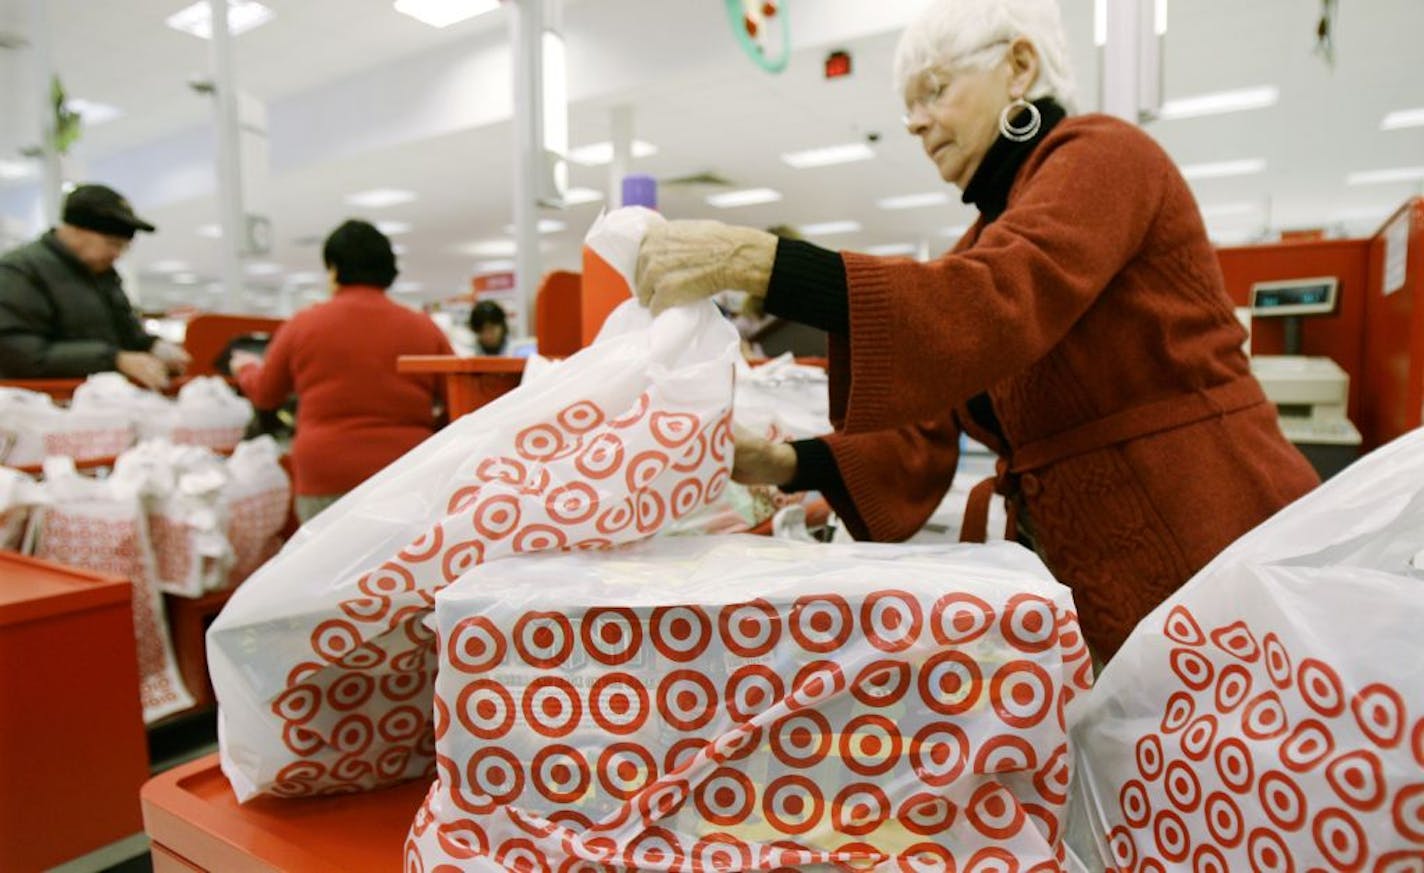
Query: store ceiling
[[723, 116]]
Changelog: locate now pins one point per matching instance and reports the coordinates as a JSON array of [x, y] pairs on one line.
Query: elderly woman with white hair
[[1080, 329]]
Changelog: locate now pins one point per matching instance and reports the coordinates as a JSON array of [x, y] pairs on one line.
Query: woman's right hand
[[756, 461], [682, 262]]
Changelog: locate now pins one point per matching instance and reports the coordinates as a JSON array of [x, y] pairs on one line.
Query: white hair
[[950, 32]]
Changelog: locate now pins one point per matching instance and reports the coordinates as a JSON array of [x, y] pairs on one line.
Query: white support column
[[620, 125], [1132, 59], [526, 19], [230, 211], [50, 171]]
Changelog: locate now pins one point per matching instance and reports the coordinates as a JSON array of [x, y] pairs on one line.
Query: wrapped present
[[1270, 714], [322, 662], [743, 703], [33, 427], [100, 525]]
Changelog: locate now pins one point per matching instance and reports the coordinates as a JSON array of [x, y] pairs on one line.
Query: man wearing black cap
[[63, 312]]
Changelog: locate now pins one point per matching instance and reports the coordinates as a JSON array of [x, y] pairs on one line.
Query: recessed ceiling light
[[914, 201], [1222, 169], [891, 249], [498, 265], [1403, 118], [211, 231], [408, 287], [1220, 102], [443, 13], [577, 196], [825, 157], [745, 197], [263, 268], [380, 198], [829, 228], [306, 277], [490, 248], [16, 170], [92, 112], [393, 228], [1380, 177], [600, 153], [169, 267], [184, 278], [546, 225], [242, 16]]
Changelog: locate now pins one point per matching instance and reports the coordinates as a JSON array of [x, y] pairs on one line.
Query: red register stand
[[195, 823], [72, 747]]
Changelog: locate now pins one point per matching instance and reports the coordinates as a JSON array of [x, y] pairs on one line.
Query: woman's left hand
[[685, 261]]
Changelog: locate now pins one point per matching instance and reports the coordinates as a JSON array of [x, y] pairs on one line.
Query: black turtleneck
[[808, 284]]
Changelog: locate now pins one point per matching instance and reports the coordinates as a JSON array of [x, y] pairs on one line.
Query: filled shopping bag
[[33, 427], [181, 490], [322, 661], [1270, 714], [256, 498], [744, 703], [19, 495], [778, 400], [208, 412], [100, 525]]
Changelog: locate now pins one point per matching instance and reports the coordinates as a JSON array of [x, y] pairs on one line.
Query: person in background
[[355, 413], [1080, 328], [490, 325], [63, 312]]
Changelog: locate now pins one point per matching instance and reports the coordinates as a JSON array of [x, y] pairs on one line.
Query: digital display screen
[[1315, 296]]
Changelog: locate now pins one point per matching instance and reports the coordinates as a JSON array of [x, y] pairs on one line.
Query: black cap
[[103, 210]]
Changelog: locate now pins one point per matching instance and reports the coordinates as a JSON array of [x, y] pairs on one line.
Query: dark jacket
[[58, 319]]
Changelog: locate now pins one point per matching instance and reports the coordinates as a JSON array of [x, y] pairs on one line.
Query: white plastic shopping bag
[[322, 662], [181, 488], [209, 413], [33, 427], [19, 494], [257, 498], [744, 703], [778, 400], [1270, 714], [100, 526]]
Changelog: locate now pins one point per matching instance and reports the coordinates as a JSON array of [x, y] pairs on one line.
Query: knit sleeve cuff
[[808, 285], [816, 469]]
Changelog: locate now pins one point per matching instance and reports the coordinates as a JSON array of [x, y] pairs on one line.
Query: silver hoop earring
[[1025, 132]]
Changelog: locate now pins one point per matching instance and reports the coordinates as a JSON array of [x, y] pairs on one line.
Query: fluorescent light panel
[[825, 157], [393, 228], [956, 231], [498, 265], [1223, 169], [242, 16], [745, 197], [1403, 118], [306, 277], [93, 112], [830, 228], [380, 198], [1383, 177], [1221, 102], [914, 201], [184, 278], [546, 225], [599, 153], [210, 231], [408, 287], [578, 196], [490, 248], [169, 267], [892, 249], [443, 13], [263, 268], [10, 170]]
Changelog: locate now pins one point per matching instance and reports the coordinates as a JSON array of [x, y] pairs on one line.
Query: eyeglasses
[[935, 83]]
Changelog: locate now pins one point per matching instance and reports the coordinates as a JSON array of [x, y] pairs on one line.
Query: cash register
[[1311, 394]]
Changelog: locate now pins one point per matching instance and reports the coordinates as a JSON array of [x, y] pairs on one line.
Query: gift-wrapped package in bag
[[321, 661], [744, 703], [1270, 714]]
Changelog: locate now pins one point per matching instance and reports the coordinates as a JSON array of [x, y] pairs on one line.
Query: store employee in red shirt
[[355, 413]]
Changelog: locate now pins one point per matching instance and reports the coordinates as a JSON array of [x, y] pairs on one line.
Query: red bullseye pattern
[[1266, 759]]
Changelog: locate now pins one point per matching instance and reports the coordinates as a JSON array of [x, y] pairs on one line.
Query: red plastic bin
[[195, 823], [72, 748]]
